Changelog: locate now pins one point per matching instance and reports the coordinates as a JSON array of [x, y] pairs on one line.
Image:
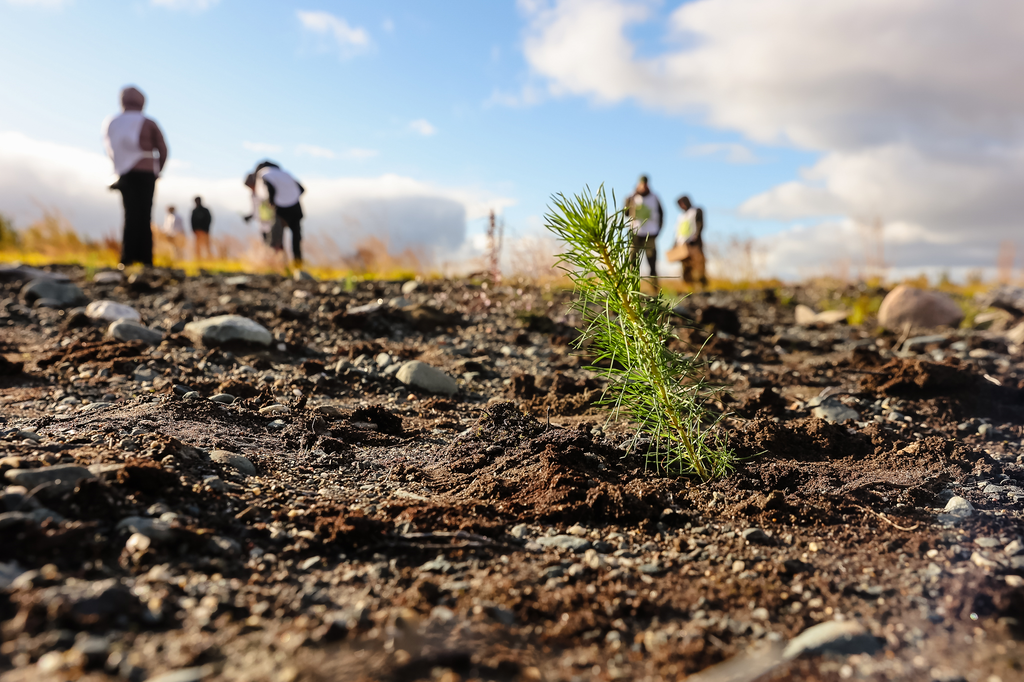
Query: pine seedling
[[665, 392]]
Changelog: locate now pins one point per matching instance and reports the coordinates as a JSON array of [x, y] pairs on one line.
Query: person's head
[[199, 201], [132, 99], [684, 202], [170, 209], [641, 184], [266, 164]]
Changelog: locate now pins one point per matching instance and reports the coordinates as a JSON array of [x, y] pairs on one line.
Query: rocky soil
[[388, 481]]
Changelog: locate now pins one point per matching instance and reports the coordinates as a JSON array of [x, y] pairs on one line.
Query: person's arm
[[271, 191], [302, 190], [661, 213], [698, 229]]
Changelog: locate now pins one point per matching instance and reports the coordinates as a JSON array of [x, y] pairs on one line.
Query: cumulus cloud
[[405, 212], [732, 152], [345, 39], [913, 105], [422, 126]]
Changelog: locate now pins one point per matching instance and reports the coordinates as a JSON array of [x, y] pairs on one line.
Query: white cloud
[[359, 154], [313, 150], [262, 147], [913, 105], [405, 212], [189, 5], [732, 152], [422, 126], [347, 40]]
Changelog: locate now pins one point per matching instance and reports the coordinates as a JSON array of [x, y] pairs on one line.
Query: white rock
[[918, 308], [129, 330], [806, 317], [410, 287], [959, 506], [422, 375], [111, 311], [227, 328], [834, 412], [838, 637]]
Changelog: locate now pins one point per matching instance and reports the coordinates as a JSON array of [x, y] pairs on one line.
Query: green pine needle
[[665, 392]]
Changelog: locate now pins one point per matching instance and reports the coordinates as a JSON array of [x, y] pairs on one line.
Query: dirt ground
[[377, 531]]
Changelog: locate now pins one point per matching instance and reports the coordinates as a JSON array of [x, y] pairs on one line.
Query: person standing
[[689, 233], [645, 214], [283, 192], [136, 146], [174, 230], [201, 221]]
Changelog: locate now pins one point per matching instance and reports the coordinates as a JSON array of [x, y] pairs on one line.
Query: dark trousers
[[137, 197], [647, 246], [292, 217]]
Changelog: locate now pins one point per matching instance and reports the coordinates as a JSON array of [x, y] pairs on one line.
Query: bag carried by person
[[678, 253]]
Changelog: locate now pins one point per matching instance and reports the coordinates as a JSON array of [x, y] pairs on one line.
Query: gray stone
[[183, 675], [303, 276], [913, 343], [9, 572], [756, 536], [422, 375], [987, 543], [1014, 548], [234, 461], [409, 287], [835, 637], [129, 330], [154, 529], [111, 311], [227, 328], [834, 412], [520, 531], [67, 293], [565, 542], [906, 305], [222, 398], [65, 476]]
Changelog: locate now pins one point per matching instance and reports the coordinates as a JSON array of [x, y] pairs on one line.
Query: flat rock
[[919, 308], [756, 536], [422, 375], [835, 637], [112, 311], [66, 293], [129, 330], [959, 506], [834, 412], [569, 543], [108, 277], [239, 462], [59, 474], [17, 272], [227, 328]]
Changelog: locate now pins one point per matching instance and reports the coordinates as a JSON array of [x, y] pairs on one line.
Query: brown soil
[[390, 534]]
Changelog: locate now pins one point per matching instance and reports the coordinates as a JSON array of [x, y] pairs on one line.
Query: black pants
[[292, 217], [137, 196], [648, 247]]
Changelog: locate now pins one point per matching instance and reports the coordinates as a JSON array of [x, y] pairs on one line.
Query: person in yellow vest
[[689, 233]]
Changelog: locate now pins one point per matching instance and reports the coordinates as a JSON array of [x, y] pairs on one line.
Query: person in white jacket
[[174, 229], [645, 215]]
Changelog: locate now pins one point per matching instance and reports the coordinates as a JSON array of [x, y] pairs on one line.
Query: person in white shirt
[[174, 229], [283, 191], [645, 214], [137, 148]]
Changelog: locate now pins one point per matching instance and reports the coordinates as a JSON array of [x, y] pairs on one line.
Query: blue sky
[[486, 100]]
